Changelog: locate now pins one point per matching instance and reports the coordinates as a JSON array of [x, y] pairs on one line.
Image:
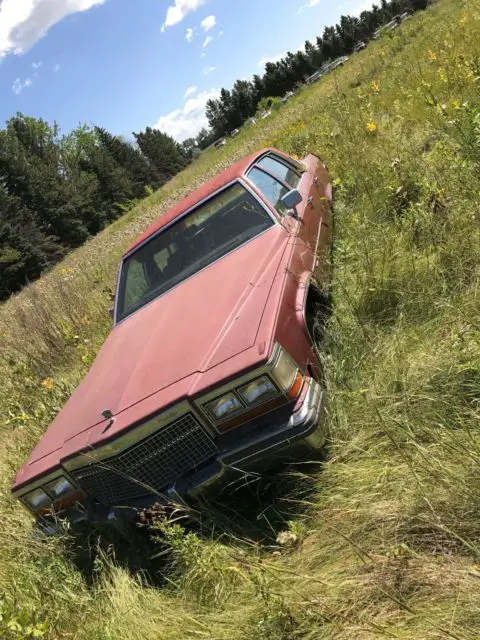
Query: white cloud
[[24, 22], [178, 10], [220, 33], [207, 41], [203, 55], [208, 23], [18, 86], [275, 58], [190, 91], [36, 65], [56, 68], [361, 5], [186, 122], [189, 35], [208, 70], [309, 5]]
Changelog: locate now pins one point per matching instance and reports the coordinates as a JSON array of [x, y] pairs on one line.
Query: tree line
[[58, 190], [233, 108]]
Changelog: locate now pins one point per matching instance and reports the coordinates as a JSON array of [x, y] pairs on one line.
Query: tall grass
[[385, 534]]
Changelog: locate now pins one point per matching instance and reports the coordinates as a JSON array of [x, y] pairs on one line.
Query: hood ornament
[[108, 415]]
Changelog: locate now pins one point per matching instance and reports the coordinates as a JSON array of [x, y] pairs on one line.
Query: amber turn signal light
[[296, 387]]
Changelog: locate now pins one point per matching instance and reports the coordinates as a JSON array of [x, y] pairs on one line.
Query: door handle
[[310, 201]]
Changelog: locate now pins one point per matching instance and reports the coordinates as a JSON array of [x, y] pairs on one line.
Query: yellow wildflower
[[48, 383], [375, 86], [371, 127], [432, 55]]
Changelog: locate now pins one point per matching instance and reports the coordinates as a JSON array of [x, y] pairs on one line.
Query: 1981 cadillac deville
[[211, 364]]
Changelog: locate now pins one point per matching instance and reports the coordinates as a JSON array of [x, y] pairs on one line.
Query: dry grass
[[388, 527]]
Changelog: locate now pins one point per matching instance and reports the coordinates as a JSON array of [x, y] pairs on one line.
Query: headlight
[[280, 379], [37, 499], [227, 405], [59, 487], [258, 390]]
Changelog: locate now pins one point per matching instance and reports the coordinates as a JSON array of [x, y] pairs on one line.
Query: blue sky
[[128, 64]]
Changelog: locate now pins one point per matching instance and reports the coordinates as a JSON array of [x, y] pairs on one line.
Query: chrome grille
[[149, 466]]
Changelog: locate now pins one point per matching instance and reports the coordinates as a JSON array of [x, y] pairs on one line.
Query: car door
[[316, 230], [274, 175]]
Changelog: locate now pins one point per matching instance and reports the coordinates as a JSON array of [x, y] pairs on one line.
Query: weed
[[387, 534]]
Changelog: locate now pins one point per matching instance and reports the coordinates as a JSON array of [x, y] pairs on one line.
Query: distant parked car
[[218, 144], [390, 26], [331, 66], [360, 46], [211, 367], [234, 133], [287, 96], [314, 77], [265, 114]]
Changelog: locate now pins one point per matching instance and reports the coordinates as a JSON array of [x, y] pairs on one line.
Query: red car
[[211, 364]]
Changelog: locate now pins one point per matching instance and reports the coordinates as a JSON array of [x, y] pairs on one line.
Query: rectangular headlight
[[224, 407], [59, 487], [37, 499], [259, 390], [280, 377]]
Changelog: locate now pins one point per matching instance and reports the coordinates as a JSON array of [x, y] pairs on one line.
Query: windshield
[[206, 234]]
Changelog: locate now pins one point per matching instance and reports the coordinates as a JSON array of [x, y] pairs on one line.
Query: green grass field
[[388, 527]]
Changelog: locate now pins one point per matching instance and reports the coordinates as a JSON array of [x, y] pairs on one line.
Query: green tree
[[140, 172], [25, 251], [31, 166], [162, 151]]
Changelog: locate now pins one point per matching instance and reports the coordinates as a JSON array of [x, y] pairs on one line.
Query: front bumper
[[296, 435], [299, 435]]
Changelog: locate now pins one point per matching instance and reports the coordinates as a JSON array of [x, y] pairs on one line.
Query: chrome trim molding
[[132, 437], [310, 412]]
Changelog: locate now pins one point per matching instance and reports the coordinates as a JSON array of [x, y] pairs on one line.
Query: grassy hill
[[388, 528]]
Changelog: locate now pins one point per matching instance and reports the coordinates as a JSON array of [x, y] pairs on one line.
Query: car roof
[[235, 171]]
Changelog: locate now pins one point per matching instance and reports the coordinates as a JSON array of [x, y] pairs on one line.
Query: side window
[[284, 171], [272, 189]]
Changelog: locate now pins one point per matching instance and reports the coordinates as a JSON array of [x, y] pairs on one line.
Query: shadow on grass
[[254, 509], [257, 507]]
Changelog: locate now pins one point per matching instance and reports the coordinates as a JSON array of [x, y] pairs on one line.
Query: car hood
[[207, 319]]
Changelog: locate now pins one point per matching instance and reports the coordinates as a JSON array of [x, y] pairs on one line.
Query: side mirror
[[292, 198]]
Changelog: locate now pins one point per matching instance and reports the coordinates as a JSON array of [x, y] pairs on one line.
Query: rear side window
[[271, 188], [282, 170]]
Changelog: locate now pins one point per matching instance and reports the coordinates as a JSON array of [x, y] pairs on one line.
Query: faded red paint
[[219, 323]]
